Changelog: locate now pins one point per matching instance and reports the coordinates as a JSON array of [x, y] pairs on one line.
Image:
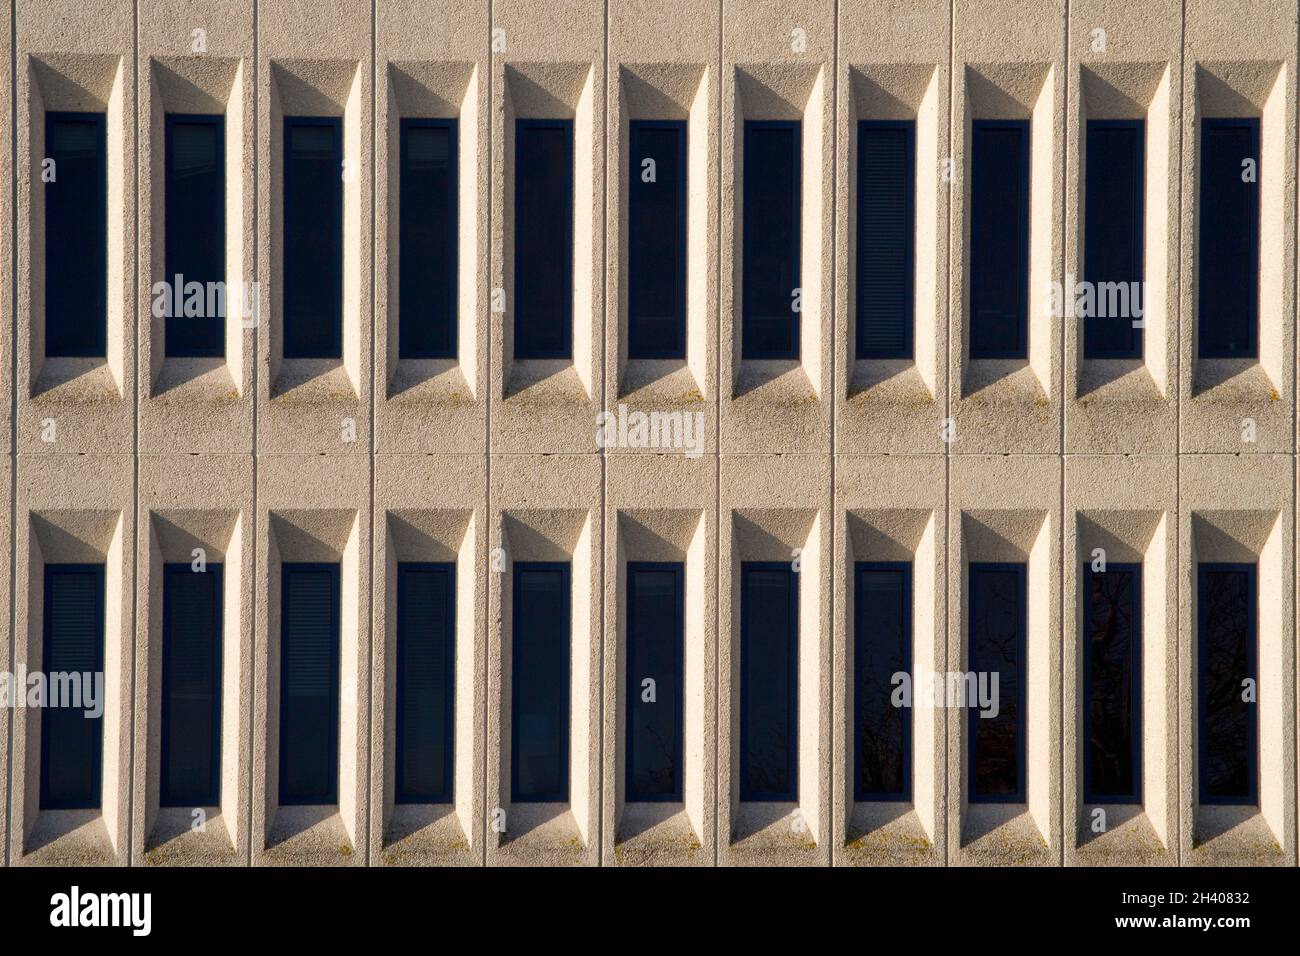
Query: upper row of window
[[76, 237]]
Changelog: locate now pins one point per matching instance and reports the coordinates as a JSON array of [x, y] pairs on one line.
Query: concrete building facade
[[136, 460]]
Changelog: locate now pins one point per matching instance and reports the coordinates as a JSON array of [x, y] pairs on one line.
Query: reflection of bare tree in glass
[[880, 723], [996, 625], [1110, 658], [658, 775], [1227, 720]]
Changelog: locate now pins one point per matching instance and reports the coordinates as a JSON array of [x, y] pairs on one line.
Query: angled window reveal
[[654, 681], [1112, 684], [769, 689], [996, 646], [426, 680], [882, 647], [539, 682], [191, 687], [309, 684], [1227, 760], [1227, 264], [544, 214]]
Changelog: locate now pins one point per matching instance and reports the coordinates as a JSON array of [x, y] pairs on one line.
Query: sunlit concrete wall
[[371, 460]]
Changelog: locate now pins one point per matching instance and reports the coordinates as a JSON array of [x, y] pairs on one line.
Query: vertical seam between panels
[[255, 335], [13, 404], [1064, 166], [373, 464], [129, 657], [488, 521], [831, 825]]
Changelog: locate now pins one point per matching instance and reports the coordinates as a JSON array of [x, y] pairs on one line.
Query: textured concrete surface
[[369, 460]]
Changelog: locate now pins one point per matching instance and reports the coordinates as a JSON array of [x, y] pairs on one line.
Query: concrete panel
[[1130, 70], [309, 65], [550, 65], [196, 404], [776, 508], [431, 61], [1008, 509], [1009, 64], [1242, 405], [313, 509], [891, 509], [661, 509], [893, 64], [430, 509], [1123, 510], [196, 511], [1240, 510], [778, 64], [69, 62], [74, 511], [546, 508], [659, 72]]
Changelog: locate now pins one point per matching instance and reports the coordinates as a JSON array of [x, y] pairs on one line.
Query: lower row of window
[[1227, 730]]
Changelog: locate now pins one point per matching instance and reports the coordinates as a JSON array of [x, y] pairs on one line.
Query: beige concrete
[[893, 63], [1009, 63], [891, 509], [74, 62], [429, 509], [1239, 405], [1124, 509], [194, 508], [431, 60], [654, 511], [778, 64], [1130, 72]]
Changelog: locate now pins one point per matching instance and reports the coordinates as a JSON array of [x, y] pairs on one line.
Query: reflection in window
[[771, 237], [769, 647], [882, 648], [539, 680], [1112, 654], [654, 654], [999, 240], [426, 654], [997, 646], [1226, 657]]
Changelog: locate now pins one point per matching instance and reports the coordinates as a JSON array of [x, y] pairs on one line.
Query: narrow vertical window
[[999, 240], [654, 680], [539, 680], [1112, 684], [882, 647], [1112, 237], [72, 742], [656, 240], [426, 254], [543, 306], [191, 687], [1228, 728], [76, 236], [309, 684], [886, 238], [769, 690], [426, 677], [1227, 273], [195, 231], [770, 255], [313, 237], [997, 652]]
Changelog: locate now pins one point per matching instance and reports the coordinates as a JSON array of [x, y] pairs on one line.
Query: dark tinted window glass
[[770, 256], [76, 236], [1226, 656], [72, 744], [769, 642], [543, 306], [1112, 656], [1228, 259], [426, 676], [313, 237], [886, 238], [427, 253], [195, 231], [539, 677], [191, 692], [999, 239], [654, 653], [1112, 249], [309, 684], [656, 239], [882, 648], [997, 647]]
